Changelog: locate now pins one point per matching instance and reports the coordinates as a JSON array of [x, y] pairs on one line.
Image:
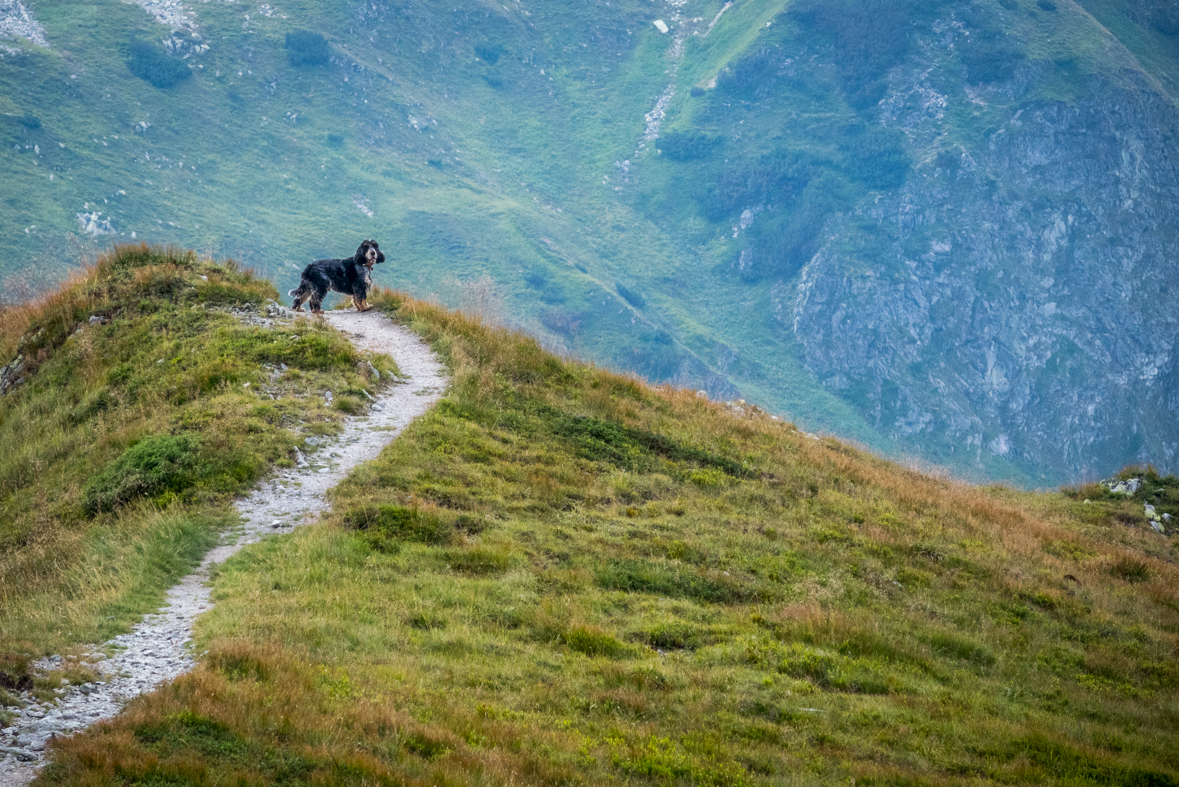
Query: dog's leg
[[316, 303], [300, 295]]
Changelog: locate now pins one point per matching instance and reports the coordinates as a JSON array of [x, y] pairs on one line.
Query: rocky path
[[158, 649]]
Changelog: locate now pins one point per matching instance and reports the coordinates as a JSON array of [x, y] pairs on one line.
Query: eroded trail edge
[[157, 650]]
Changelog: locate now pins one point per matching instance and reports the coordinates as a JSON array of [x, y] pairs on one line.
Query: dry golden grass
[[606, 582]]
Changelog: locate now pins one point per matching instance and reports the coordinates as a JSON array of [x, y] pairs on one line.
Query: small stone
[[1158, 526], [1167, 518]]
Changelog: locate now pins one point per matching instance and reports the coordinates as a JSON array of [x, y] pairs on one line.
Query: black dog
[[350, 276]]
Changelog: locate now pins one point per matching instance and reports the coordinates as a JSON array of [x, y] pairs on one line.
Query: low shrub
[[876, 156], [157, 464], [688, 146], [305, 48], [489, 53], [155, 66], [990, 60]]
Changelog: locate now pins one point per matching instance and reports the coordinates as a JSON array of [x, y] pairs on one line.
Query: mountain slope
[[561, 575], [140, 398], [695, 206]]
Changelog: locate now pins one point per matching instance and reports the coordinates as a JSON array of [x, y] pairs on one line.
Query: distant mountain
[[942, 229]]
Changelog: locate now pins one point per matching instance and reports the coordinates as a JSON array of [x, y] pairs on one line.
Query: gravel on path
[[158, 649]]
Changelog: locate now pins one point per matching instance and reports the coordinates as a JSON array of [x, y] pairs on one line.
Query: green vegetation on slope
[[560, 575], [148, 404], [503, 143]]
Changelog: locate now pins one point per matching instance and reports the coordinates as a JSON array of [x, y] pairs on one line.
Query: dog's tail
[[293, 292]]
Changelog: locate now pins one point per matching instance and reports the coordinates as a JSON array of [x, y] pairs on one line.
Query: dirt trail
[[158, 649]]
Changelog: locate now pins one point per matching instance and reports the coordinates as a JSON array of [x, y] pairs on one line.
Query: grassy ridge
[[148, 403], [481, 140], [560, 575]]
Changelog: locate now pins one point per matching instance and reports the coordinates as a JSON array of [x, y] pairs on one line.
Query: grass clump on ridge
[[535, 611], [146, 408], [160, 463]]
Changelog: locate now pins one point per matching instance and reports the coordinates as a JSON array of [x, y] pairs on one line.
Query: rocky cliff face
[[1021, 299]]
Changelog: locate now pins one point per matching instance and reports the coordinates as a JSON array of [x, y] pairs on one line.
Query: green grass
[[476, 164], [499, 597], [132, 434]]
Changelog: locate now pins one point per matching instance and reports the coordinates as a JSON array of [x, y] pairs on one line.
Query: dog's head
[[369, 253]]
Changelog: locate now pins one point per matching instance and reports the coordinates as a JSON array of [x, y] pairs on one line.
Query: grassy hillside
[[148, 402], [561, 575], [512, 145]]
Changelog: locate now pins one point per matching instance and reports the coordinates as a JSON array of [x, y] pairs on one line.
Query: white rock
[[660, 25], [17, 22], [93, 225]]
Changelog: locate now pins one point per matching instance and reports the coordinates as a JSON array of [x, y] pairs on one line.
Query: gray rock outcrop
[[1027, 307]]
